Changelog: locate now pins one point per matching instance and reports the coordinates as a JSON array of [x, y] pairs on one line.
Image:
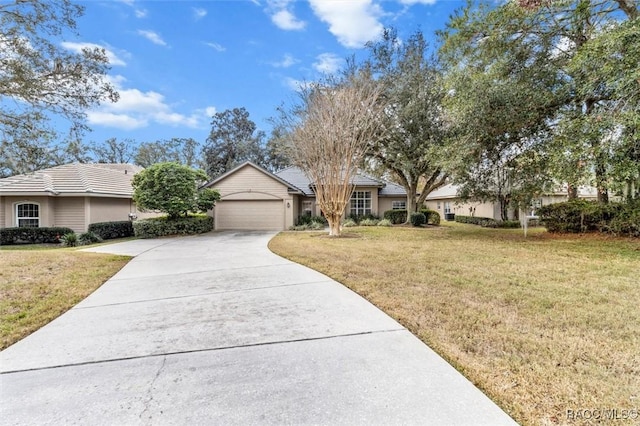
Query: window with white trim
[[307, 208], [447, 207], [360, 203], [398, 205], [438, 205], [28, 215]]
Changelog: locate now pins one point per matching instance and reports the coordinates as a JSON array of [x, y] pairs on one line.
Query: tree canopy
[[172, 188]]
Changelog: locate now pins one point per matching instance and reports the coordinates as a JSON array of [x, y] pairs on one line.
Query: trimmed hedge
[[111, 230], [487, 222], [577, 216], [162, 226], [311, 220], [418, 219], [9, 236], [357, 218], [400, 216]]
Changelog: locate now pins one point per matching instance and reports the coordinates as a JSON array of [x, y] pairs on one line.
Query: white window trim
[[366, 197], [403, 205], [17, 218]]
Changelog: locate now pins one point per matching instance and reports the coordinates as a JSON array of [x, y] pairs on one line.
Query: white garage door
[[259, 215]]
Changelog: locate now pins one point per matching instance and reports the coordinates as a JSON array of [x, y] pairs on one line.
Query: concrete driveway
[[216, 329]]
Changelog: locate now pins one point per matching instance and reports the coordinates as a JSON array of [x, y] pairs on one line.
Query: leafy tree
[[412, 149], [177, 150], [39, 78], [233, 140], [114, 151], [172, 188], [561, 101], [327, 135]]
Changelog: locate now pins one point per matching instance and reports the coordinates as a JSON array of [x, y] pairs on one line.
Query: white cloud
[[285, 20], [412, 2], [136, 109], [216, 46], [296, 85], [141, 13], [77, 48], [327, 63], [353, 22], [286, 62], [199, 13], [210, 111], [152, 37]]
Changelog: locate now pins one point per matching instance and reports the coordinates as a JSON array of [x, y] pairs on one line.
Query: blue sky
[[177, 62]]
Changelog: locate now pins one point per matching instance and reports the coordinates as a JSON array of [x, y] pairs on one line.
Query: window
[[438, 205], [361, 203], [306, 208], [28, 215], [447, 207], [398, 205]]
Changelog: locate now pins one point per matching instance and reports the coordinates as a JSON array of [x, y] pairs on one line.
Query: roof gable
[[291, 188]]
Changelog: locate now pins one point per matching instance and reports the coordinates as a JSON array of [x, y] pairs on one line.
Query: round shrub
[[418, 219], [69, 240], [385, 222], [88, 238], [348, 223], [368, 222]]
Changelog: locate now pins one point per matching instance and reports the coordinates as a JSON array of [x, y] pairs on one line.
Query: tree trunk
[[572, 192], [504, 207], [334, 225], [601, 182], [411, 203]]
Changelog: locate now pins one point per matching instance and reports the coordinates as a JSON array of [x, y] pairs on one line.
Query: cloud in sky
[[353, 22], [77, 48], [137, 109], [141, 13], [199, 13], [215, 46], [327, 63], [412, 2], [152, 37], [283, 17], [286, 62]]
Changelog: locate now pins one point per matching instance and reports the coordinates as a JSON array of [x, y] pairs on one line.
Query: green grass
[[542, 325], [39, 284]]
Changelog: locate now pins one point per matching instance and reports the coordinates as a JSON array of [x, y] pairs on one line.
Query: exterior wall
[[109, 209], [385, 203], [70, 212], [8, 207], [2, 213], [463, 208]]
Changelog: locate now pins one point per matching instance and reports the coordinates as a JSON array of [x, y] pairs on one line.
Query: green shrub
[[433, 217], [161, 226], [357, 218], [348, 223], [418, 219], [309, 220], [69, 240], [396, 216], [369, 222], [487, 222], [111, 230], [9, 236], [88, 238], [385, 222], [589, 216]]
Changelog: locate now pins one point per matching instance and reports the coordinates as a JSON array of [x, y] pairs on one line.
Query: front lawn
[[545, 326], [37, 284]]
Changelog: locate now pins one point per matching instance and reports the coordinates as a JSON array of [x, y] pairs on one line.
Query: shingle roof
[[299, 179], [74, 179]]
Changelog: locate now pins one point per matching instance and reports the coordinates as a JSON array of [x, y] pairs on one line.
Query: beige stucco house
[[445, 200], [71, 195], [254, 198]]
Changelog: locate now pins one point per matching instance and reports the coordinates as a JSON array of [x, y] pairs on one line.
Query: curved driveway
[[216, 329]]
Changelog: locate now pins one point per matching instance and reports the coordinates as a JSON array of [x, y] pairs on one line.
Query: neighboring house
[[446, 202], [254, 198], [71, 195]]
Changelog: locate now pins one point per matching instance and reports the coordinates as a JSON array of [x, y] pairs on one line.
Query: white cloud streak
[[353, 22], [327, 63], [77, 48], [199, 13], [152, 37], [215, 46], [286, 62], [283, 17]]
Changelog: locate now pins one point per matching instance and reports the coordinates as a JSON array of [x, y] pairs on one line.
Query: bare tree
[[328, 134]]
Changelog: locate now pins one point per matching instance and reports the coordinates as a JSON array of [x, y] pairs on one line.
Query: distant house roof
[[74, 179], [295, 176]]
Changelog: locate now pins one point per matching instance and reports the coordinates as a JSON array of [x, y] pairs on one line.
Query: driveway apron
[[216, 329]]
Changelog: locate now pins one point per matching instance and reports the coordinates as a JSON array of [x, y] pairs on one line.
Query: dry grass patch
[[36, 286], [542, 325]]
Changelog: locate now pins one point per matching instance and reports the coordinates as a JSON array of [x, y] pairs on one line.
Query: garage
[[250, 214]]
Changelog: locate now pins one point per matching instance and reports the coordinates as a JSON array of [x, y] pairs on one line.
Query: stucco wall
[[386, 203], [109, 209], [8, 207], [70, 212]]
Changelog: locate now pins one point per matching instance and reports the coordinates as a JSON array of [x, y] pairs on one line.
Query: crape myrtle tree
[[412, 149], [559, 78], [40, 78], [327, 135], [172, 188]]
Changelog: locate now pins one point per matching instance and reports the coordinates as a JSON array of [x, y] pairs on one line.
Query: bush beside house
[[578, 216], [26, 235], [163, 226]]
